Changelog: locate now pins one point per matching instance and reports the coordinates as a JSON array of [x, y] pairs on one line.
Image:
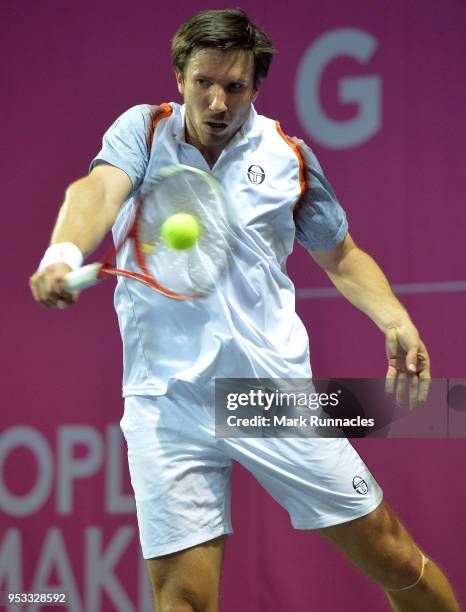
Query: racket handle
[[83, 277]]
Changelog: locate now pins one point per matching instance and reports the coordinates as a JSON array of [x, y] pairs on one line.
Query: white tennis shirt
[[248, 328]]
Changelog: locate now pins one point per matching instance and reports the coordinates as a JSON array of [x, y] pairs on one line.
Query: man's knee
[[403, 569], [178, 597], [188, 581], [412, 575], [380, 545], [177, 592], [400, 560]]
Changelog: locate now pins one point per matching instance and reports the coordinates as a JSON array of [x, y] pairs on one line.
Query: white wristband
[[64, 252]]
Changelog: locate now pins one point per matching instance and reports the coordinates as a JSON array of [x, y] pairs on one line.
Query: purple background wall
[[68, 69]]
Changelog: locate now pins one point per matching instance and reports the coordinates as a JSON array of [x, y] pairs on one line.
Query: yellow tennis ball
[[180, 231]]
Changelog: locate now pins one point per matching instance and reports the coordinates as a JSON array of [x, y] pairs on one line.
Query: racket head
[[193, 272]]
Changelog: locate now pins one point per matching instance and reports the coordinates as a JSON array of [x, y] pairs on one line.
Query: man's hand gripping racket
[[180, 235]]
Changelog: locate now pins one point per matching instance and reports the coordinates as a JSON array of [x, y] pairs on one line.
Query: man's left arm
[[358, 278]]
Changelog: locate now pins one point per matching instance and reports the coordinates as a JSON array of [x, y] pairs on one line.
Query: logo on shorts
[[360, 485], [256, 174]]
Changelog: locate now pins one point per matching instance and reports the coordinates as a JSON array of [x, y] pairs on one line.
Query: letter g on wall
[[364, 91]]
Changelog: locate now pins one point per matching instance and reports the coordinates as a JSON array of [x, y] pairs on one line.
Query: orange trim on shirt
[[302, 174], [164, 113]]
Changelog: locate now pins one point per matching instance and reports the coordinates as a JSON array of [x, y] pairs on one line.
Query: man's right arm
[[90, 208]]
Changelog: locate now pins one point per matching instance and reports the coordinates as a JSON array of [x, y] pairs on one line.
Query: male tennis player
[[172, 351]]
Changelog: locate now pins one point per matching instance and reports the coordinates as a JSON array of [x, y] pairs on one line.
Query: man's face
[[218, 89]]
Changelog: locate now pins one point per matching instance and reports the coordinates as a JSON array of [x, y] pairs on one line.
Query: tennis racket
[[185, 274]]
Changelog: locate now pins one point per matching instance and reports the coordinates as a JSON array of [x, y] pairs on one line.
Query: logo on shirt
[[256, 174], [360, 485]]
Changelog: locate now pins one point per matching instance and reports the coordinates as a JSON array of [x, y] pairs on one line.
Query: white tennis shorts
[[180, 474]]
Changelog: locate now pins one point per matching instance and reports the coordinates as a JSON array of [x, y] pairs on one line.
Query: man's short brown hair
[[226, 30]]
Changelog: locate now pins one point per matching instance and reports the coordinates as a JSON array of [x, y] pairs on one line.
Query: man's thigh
[[181, 480], [189, 580], [320, 481], [380, 546]]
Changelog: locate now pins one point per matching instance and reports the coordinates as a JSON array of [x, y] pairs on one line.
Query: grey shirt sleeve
[[125, 143], [320, 221]]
